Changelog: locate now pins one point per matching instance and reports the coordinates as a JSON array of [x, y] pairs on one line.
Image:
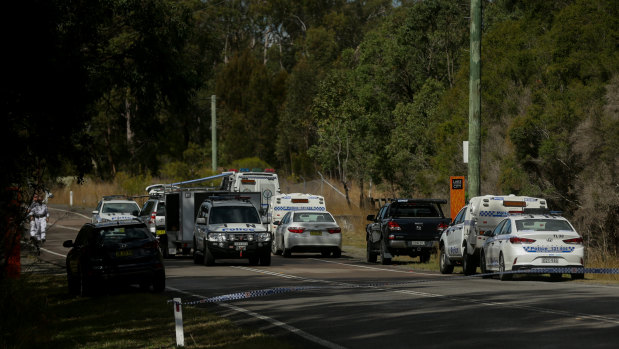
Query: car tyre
[[84, 285], [325, 253], [253, 260], [370, 255], [502, 275], [209, 259], [265, 259], [482, 265], [72, 283], [286, 252], [443, 262], [163, 243], [197, 259], [468, 265], [424, 257], [274, 249], [383, 259], [159, 282], [337, 253]]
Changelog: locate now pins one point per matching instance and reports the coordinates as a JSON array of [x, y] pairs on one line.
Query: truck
[[405, 227], [282, 203], [462, 241], [255, 180]]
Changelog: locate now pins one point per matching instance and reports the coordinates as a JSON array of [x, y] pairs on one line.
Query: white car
[[115, 208], [532, 241], [307, 231]]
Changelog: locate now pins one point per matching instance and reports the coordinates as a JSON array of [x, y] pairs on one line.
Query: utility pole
[[474, 182], [214, 133]]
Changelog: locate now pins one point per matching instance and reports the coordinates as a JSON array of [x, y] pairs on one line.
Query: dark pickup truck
[[405, 227]]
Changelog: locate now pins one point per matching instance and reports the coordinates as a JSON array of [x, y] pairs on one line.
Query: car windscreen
[[121, 207], [407, 210], [541, 224], [312, 217], [116, 235], [234, 214]]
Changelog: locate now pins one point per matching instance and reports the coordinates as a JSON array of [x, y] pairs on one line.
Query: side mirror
[[68, 243], [277, 223], [201, 220], [135, 213], [371, 217]]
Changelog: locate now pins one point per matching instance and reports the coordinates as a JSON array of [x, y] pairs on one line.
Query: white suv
[[114, 208]]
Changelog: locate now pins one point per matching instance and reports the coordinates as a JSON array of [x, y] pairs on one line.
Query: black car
[[109, 253]]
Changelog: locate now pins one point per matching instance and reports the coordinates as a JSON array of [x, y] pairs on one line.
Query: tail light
[[334, 230], [151, 244], [152, 217], [441, 226], [296, 230], [393, 226], [577, 241], [515, 240]]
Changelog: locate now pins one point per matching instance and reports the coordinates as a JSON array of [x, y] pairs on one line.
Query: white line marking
[[380, 269], [54, 253], [272, 321], [65, 227]]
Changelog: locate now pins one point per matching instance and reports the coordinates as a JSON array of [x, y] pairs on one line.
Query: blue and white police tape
[[250, 294], [557, 270]]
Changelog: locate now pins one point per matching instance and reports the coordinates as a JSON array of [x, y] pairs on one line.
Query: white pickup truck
[[461, 242]]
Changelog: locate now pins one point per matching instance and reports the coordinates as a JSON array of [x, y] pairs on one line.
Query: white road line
[[65, 227], [54, 253], [287, 327], [453, 298], [380, 269], [58, 209]]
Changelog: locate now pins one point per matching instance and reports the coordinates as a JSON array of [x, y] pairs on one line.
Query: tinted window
[[312, 217], [498, 228], [113, 235], [120, 207], [413, 210], [460, 216], [507, 227], [543, 225], [82, 236], [148, 208], [161, 209], [234, 214]]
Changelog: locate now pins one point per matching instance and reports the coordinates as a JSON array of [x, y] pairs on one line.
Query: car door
[[454, 234], [374, 229], [281, 230], [492, 247], [79, 250]]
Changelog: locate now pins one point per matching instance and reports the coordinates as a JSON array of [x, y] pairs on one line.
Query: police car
[[114, 208], [533, 241], [229, 226]]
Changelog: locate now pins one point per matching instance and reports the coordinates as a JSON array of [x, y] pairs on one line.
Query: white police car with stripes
[[533, 241], [461, 242]]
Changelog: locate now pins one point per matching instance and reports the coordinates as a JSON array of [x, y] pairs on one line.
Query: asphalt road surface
[[346, 303]]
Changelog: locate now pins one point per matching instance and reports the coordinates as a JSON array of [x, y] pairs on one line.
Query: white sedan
[[531, 242], [307, 231]]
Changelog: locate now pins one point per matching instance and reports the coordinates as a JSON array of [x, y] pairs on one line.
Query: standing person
[[39, 217]]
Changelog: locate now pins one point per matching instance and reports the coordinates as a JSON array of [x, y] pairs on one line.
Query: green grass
[[37, 312]]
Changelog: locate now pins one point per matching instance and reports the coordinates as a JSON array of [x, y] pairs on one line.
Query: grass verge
[[43, 315]]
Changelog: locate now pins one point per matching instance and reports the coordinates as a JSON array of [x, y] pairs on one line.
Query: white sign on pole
[[178, 319], [465, 151]]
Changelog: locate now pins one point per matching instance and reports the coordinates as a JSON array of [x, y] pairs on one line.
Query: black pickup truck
[[405, 227]]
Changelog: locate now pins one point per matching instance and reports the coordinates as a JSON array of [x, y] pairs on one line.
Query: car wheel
[[337, 253], [208, 256], [159, 282], [84, 285], [482, 265], [443, 262], [577, 276], [163, 242], [274, 249], [370, 255], [424, 257], [265, 259], [468, 265], [197, 259], [502, 275], [73, 284], [286, 252], [253, 260], [383, 259], [325, 253]]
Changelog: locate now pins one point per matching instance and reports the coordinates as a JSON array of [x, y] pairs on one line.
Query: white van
[[284, 203], [266, 183], [462, 241]]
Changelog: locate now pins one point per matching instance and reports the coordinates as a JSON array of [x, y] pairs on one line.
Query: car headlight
[[217, 237], [264, 236]]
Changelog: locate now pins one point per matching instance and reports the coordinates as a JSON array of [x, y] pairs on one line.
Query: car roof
[[537, 216], [119, 201], [309, 211], [120, 222]]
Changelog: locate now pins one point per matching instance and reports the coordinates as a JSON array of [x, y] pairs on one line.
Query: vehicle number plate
[[160, 232], [242, 243], [418, 243], [553, 260], [316, 232], [124, 253]]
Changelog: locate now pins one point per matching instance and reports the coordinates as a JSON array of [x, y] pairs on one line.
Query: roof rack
[[115, 197], [228, 198]]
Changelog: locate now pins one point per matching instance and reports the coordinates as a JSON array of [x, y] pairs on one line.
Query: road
[[347, 303]]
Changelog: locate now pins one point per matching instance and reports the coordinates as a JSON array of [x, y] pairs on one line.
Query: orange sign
[[456, 195]]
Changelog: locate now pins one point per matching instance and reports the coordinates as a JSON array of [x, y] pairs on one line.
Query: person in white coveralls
[[39, 217]]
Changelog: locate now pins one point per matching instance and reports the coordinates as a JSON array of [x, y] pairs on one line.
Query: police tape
[[281, 290]]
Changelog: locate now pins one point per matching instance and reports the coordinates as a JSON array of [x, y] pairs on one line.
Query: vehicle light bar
[[514, 204], [299, 201], [248, 181]]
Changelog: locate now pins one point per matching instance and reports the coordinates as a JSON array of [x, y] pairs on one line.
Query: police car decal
[[237, 229], [299, 208], [493, 213], [549, 249]]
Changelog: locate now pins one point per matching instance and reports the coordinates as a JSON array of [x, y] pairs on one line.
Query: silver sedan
[[307, 231]]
